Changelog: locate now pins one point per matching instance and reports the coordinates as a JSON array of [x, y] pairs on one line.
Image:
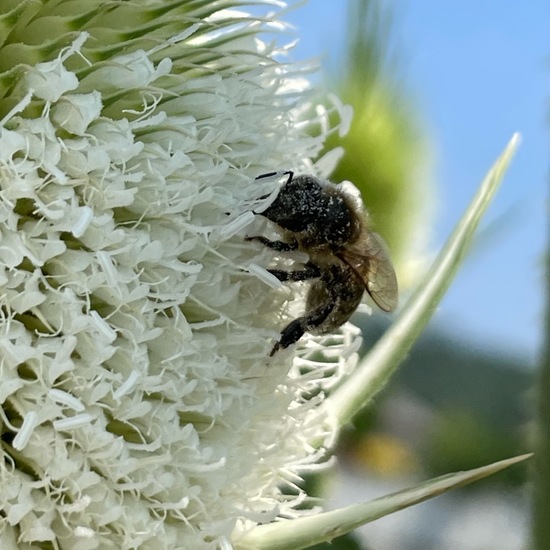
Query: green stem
[[541, 464]]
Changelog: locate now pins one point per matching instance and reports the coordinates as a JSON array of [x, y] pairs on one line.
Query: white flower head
[[138, 404]]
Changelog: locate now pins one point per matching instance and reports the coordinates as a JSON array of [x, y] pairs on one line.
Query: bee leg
[[279, 246], [296, 329], [310, 271]]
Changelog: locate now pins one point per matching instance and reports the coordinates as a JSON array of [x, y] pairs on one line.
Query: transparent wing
[[370, 260]]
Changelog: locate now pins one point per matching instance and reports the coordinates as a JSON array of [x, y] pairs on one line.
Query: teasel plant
[[139, 407]]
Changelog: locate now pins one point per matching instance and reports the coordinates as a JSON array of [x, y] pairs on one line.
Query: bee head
[[296, 205]]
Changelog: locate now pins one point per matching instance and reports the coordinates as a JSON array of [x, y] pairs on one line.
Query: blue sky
[[479, 71]]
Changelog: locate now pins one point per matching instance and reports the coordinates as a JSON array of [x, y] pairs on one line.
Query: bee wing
[[370, 260]]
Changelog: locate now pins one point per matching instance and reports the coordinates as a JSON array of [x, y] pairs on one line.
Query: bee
[[345, 256]]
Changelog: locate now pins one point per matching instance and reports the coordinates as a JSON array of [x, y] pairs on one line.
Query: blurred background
[[438, 89]]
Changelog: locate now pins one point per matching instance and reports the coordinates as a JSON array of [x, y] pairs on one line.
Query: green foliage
[[385, 148], [462, 440], [541, 469], [347, 542]]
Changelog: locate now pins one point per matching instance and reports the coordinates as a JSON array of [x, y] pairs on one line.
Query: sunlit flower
[[138, 404]]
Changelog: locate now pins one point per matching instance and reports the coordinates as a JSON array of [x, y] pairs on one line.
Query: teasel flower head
[[139, 407]]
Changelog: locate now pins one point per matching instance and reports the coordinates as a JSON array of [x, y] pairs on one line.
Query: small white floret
[[73, 422], [23, 435], [264, 275], [236, 225], [64, 398]]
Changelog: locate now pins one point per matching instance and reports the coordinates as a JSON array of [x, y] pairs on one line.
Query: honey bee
[[345, 256]]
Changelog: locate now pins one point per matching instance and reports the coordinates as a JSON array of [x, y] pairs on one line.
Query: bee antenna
[[266, 175], [290, 176]]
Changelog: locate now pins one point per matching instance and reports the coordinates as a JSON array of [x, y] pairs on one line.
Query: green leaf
[[376, 368], [306, 531]]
